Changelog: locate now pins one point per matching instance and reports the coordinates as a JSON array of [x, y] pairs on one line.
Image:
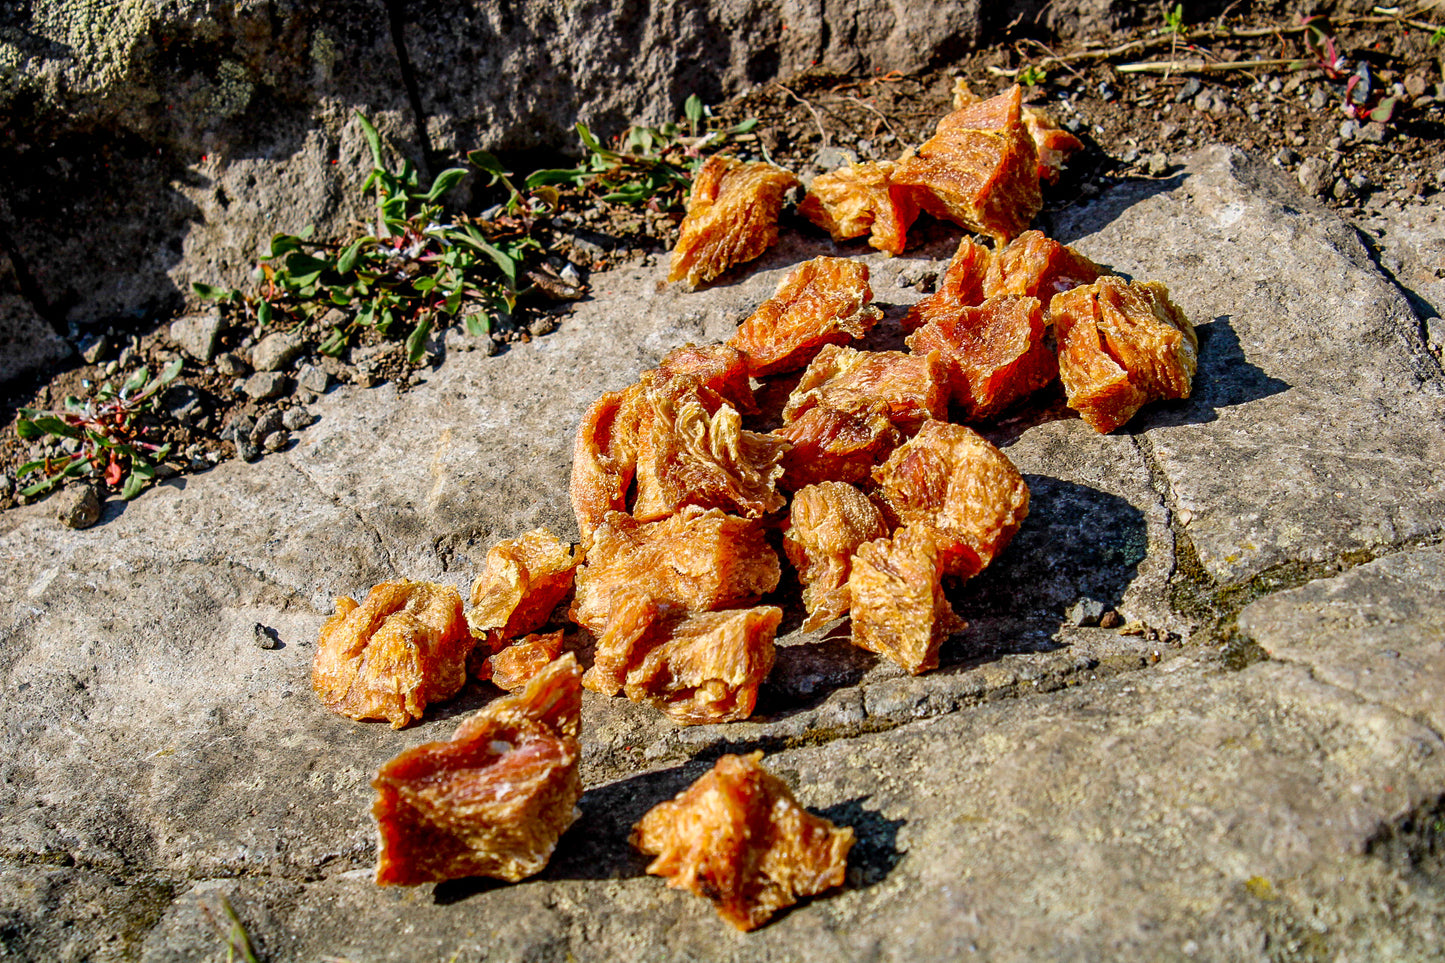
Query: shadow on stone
[[1225, 379], [876, 852], [1413, 845], [1081, 220]]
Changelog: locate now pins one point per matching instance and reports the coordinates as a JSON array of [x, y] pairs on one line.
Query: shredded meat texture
[[515, 665], [910, 388], [739, 838], [826, 524], [822, 301], [695, 561], [860, 199], [1054, 145], [732, 217], [690, 456], [403, 647], [717, 373], [979, 170], [703, 668], [831, 445], [1036, 266], [523, 581], [494, 799], [1121, 345], [950, 479], [995, 354], [960, 286], [898, 607]]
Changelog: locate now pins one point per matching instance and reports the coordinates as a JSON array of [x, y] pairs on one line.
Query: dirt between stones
[[1134, 125]]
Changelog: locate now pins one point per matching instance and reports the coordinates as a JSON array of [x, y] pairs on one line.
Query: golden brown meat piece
[[514, 666], [689, 456], [1036, 266], [979, 170], [732, 217], [718, 373], [738, 837], [1122, 344], [706, 667], [860, 199], [494, 799], [823, 301], [826, 524], [911, 388], [949, 478], [898, 606], [995, 353], [961, 285], [694, 561], [403, 647], [628, 627], [604, 457], [523, 581], [832, 445], [1053, 145]]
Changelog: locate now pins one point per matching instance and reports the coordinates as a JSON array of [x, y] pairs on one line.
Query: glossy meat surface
[[994, 354], [826, 524], [831, 445], [523, 581], [403, 647], [860, 199], [822, 301], [739, 838], [493, 800], [910, 388], [1036, 266], [960, 286], [732, 217], [898, 607], [515, 665], [706, 667]]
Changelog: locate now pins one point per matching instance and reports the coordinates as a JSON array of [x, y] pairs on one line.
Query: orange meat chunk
[[898, 607], [1053, 144], [994, 354], [403, 647], [739, 838], [979, 170], [911, 388], [961, 285], [604, 457], [514, 666], [822, 301], [860, 199], [1036, 266], [831, 445], [493, 800], [718, 373], [732, 217], [826, 524], [695, 561], [950, 479], [690, 456], [1121, 345], [522, 583], [705, 667]]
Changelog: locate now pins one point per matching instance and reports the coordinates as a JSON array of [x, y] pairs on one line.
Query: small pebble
[[277, 440], [78, 506], [294, 419], [542, 325], [1111, 620], [314, 379], [266, 385], [276, 352], [269, 421], [1085, 611], [1319, 100], [248, 450], [1315, 176], [266, 637], [1189, 91], [1158, 164], [231, 365]]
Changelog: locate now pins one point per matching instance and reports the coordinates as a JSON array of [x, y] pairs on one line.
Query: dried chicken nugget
[[949, 478], [822, 301], [898, 607], [1036, 266], [911, 388], [979, 170], [523, 581], [403, 647], [860, 199], [831, 445], [689, 456], [1122, 344], [738, 837], [961, 285], [604, 457], [705, 668], [696, 561], [826, 524], [492, 801], [732, 217], [718, 373], [995, 354], [628, 625], [515, 665], [1053, 144]]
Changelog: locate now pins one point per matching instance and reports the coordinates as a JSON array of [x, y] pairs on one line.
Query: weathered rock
[[1316, 176], [266, 385], [230, 365], [275, 352], [294, 419], [198, 335], [77, 506], [27, 342]]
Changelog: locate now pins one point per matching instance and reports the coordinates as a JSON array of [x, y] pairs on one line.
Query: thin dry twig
[[1201, 67], [817, 119], [869, 107]]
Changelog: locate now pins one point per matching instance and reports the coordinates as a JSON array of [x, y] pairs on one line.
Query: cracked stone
[[198, 335]]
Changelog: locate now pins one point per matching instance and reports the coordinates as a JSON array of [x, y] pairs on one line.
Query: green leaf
[[505, 261], [1385, 111], [692, 108], [478, 324], [572, 175], [347, 260], [303, 265], [373, 140], [41, 486], [386, 320], [284, 244], [745, 127], [210, 292], [263, 312], [168, 374], [425, 284], [27, 430], [307, 231], [416, 341], [136, 381], [135, 482], [334, 343], [51, 425], [444, 182], [453, 301], [488, 162], [29, 467], [589, 141]]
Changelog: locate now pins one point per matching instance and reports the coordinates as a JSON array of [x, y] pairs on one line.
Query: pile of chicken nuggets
[[871, 484]]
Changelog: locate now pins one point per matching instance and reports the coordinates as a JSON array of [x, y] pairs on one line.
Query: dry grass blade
[[238, 943], [1201, 67]]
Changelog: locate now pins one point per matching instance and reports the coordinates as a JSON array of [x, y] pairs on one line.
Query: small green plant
[[646, 165], [417, 267], [238, 941], [109, 438], [1174, 20], [1032, 75]]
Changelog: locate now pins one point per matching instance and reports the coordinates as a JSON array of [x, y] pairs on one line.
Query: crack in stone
[[1419, 307], [335, 500]]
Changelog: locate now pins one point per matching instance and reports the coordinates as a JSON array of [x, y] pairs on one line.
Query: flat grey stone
[[198, 335], [266, 385], [1377, 631], [1315, 426], [275, 352]]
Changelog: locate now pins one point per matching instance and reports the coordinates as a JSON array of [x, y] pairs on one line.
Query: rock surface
[[1051, 792]]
